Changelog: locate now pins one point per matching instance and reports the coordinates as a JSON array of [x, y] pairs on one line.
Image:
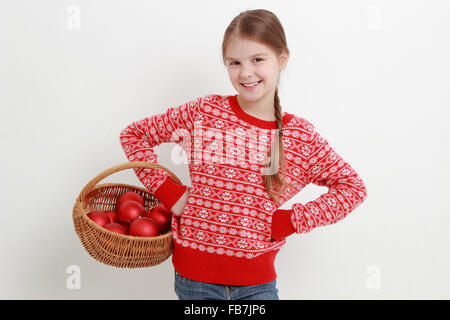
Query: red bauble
[[144, 227], [162, 208], [130, 211], [124, 223], [160, 215], [112, 215], [116, 227], [127, 196], [99, 217]]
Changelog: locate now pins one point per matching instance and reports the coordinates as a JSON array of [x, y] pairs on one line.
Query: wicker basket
[[108, 247]]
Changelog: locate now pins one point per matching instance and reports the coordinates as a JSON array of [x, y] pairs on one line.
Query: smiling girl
[[228, 226]]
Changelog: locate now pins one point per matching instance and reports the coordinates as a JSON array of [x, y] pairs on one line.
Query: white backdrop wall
[[373, 76]]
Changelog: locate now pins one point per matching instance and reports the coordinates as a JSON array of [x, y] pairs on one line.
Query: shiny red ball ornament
[[162, 208], [112, 215], [99, 217], [144, 227], [160, 215], [116, 227], [127, 196], [130, 211], [125, 224]]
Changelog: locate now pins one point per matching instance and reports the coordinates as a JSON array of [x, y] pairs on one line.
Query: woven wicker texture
[[108, 247]]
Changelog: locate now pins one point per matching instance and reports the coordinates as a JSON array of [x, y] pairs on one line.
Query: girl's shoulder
[[212, 98], [297, 121]]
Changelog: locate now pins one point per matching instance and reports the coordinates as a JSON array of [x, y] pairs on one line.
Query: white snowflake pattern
[[219, 124], [227, 196], [221, 240], [346, 172], [306, 150], [203, 213], [210, 169], [201, 235], [332, 202], [296, 172], [207, 191], [314, 210], [316, 170], [253, 178], [224, 218], [244, 234], [268, 206], [248, 200], [287, 143], [243, 244], [245, 222], [230, 173], [260, 226], [213, 146]]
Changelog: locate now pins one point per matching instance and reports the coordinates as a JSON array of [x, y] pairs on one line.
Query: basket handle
[[127, 165]]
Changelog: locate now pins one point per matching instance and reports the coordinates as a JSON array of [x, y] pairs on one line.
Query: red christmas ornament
[[99, 217], [144, 227], [130, 211], [116, 227], [127, 196]]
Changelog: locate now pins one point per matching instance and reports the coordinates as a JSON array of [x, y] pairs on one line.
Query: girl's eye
[[232, 63]]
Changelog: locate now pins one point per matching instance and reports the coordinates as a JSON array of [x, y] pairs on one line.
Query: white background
[[372, 76]]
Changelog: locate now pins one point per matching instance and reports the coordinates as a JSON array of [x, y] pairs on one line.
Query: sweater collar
[[264, 124]]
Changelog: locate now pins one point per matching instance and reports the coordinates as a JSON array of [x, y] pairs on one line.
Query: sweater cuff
[[282, 224], [169, 192]]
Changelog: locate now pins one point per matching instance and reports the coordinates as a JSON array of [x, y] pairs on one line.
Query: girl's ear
[[283, 60]]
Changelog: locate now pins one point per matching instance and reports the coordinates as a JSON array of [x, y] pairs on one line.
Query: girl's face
[[251, 62]]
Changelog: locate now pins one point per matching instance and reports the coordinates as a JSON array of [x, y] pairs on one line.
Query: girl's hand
[[178, 207]]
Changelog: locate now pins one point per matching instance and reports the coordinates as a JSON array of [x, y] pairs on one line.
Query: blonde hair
[[263, 26]]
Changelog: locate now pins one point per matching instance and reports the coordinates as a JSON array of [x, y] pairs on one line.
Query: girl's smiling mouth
[[251, 86]]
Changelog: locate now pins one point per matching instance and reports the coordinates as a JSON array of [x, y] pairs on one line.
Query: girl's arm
[[346, 191], [140, 137], [178, 207]]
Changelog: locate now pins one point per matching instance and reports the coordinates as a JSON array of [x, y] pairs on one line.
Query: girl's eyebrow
[[258, 54]]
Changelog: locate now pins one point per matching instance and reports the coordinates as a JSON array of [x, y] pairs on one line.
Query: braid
[[278, 113], [275, 179]]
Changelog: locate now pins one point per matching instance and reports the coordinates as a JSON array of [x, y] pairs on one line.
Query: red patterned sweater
[[230, 230]]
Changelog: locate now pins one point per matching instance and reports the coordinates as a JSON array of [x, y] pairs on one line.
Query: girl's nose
[[246, 72]]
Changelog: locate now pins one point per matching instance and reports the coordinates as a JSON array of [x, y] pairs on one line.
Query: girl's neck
[[259, 109]]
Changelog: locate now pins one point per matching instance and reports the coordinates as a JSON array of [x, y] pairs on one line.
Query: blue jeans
[[187, 289]]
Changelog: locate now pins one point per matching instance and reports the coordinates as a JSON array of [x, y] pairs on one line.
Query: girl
[[246, 158]]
